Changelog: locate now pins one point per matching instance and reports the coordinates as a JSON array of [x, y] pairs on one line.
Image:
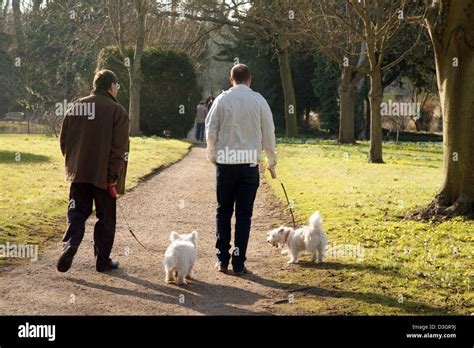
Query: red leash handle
[[112, 190]]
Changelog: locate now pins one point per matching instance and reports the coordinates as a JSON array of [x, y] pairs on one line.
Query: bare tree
[[20, 39], [264, 20], [49, 70], [273, 21], [117, 11], [376, 23], [180, 34], [382, 20], [4, 4], [322, 27]]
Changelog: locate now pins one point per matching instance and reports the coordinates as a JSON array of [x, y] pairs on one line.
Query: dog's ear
[[281, 229], [174, 236], [194, 236]]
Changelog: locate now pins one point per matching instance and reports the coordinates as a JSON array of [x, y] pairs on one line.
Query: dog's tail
[[316, 220]]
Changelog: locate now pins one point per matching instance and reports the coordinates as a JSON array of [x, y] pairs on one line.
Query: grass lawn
[[378, 263], [33, 193]]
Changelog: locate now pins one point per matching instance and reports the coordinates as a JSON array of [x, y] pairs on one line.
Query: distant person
[[95, 150], [201, 113], [238, 126]]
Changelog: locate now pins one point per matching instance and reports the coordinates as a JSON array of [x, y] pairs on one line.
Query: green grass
[[408, 267], [33, 193]]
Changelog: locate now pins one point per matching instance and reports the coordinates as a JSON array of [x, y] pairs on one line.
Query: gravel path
[[181, 198]]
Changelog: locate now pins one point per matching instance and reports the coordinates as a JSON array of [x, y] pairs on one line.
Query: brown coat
[[96, 144]]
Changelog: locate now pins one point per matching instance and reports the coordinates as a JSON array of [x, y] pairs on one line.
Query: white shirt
[[238, 126]]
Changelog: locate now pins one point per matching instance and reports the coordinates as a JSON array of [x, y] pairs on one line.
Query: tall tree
[[265, 20], [4, 4], [324, 23], [61, 39], [20, 39], [117, 13], [382, 20], [451, 28], [273, 21]]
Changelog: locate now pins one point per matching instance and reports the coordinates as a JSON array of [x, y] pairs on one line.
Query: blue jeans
[[237, 185], [200, 131]]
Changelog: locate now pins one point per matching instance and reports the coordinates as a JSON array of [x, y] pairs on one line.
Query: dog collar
[[287, 235]]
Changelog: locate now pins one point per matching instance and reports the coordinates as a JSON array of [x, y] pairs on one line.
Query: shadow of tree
[[351, 266], [21, 157], [407, 306]]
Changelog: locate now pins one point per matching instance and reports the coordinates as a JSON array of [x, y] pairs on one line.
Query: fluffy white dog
[[180, 257], [310, 238]]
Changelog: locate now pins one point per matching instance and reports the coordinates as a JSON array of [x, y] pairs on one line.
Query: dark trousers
[[237, 185], [200, 131], [81, 197]]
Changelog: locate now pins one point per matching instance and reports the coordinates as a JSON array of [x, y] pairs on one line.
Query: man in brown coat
[[94, 140]]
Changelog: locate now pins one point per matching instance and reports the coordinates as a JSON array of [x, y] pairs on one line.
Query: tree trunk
[[288, 91], [136, 71], [3, 13], [18, 29], [134, 103], [375, 98], [346, 107], [456, 90]]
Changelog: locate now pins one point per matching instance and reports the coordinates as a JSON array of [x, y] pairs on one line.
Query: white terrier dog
[[310, 238], [180, 257]]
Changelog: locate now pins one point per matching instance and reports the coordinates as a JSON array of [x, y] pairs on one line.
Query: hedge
[[169, 92]]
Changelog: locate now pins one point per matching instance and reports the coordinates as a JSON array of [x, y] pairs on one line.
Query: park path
[[180, 198]]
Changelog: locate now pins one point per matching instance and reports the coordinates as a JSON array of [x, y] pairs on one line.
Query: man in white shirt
[[238, 126]]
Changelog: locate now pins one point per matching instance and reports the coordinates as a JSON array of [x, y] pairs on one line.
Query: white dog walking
[[180, 257], [310, 238]]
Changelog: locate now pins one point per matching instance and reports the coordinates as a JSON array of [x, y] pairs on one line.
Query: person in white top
[[201, 113], [238, 126]]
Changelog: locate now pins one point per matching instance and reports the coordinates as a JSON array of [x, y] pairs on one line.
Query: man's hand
[[272, 171], [112, 189]]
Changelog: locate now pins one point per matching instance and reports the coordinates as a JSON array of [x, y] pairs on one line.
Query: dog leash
[[127, 225], [288, 201]]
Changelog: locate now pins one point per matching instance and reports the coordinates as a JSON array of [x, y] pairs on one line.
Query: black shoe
[[221, 267], [65, 260], [241, 271], [111, 265]]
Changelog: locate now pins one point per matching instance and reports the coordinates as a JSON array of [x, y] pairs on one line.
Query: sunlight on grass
[[409, 266]]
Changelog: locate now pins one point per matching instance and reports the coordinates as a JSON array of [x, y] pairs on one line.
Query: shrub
[[169, 92]]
